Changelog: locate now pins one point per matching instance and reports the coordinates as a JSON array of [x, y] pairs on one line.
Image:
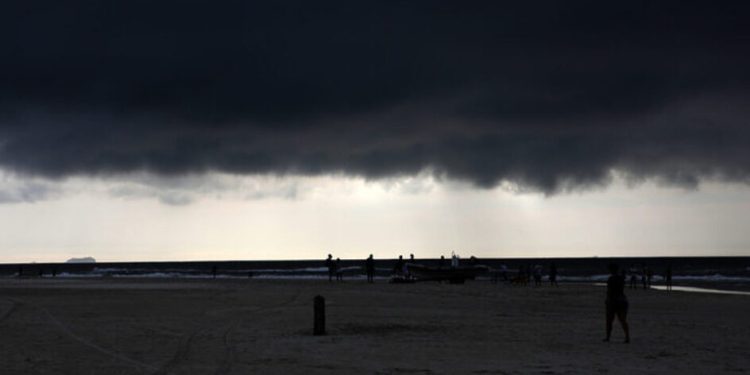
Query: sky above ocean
[[289, 129]]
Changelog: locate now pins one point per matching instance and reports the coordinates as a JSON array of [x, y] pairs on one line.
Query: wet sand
[[114, 326]]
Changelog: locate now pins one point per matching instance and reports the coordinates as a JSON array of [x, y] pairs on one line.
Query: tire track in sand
[[182, 354], [230, 348], [144, 367], [5, 314]]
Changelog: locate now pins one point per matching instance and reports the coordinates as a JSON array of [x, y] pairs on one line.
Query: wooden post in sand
[[319, 327]]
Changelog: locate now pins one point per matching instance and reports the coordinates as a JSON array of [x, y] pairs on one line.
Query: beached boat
[[455, 275]]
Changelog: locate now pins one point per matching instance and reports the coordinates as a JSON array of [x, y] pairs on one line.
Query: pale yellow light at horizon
[[234, 218]]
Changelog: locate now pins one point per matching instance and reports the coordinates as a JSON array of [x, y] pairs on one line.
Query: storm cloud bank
[[548, 95]]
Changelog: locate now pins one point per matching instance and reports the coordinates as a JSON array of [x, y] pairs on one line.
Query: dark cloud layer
[[550, 95]]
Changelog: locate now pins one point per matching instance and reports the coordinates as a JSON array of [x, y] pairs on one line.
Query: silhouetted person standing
[[537, 275], [633, 277], [617, 303], [399, 268], [441, 262], [370, 269], [504, 272], [339, 271], [329, 265], [553, 274]]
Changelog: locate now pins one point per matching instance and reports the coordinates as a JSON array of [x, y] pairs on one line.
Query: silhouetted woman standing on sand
[[617, 303]]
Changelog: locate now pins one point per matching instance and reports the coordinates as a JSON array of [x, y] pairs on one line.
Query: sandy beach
[[116, 326]]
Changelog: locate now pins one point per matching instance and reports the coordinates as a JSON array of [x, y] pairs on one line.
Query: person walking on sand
[[370, 269], [616, 302], [329, 265]]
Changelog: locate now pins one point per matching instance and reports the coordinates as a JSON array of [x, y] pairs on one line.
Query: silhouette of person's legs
[[610, 319], [622, 316]]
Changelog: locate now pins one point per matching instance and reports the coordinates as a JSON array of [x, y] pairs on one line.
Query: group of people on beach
[[526, 273], [336, 271], [523, 276], [646, 276], [616, 302], [334, 268], [400, 268]]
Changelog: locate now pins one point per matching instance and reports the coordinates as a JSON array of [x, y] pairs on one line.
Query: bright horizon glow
[[225, 217]]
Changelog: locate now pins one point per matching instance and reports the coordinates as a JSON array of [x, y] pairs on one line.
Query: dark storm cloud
[[549, 95]]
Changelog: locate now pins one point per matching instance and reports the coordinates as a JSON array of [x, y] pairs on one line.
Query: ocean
[[723, 273]]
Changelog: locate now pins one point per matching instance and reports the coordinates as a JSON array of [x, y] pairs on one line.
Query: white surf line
[[98, 348], [701, 290], [693, 289]]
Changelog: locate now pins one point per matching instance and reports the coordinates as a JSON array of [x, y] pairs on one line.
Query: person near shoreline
[[339, 271], [503, 273], [398, 269], [537, 275], [553, 274], [616, 302], [633, 271], [370, 269], [329, 265]]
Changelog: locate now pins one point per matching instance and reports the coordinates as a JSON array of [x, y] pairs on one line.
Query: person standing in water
[[617, 303]]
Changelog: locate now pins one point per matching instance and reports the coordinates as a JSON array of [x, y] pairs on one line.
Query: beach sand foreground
[[128, 326]]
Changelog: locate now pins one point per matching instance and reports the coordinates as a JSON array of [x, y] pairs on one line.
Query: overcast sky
[[142, 130]]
